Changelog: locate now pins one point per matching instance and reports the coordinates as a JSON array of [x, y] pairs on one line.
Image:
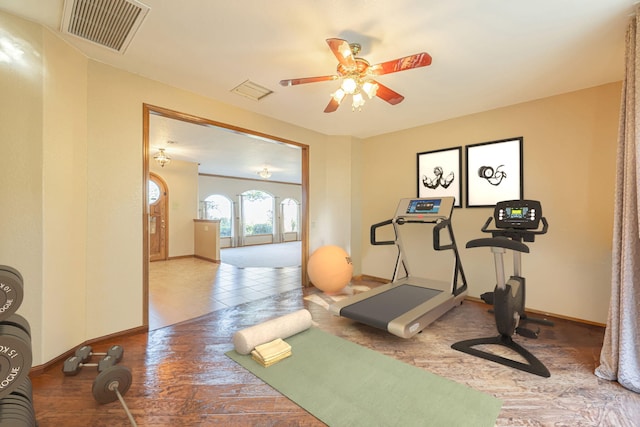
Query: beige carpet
[[275, 255]]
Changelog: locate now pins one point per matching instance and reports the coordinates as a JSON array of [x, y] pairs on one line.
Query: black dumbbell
[[73, 364], [85, 352]]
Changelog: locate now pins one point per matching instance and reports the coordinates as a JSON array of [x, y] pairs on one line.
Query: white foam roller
[[282, 327]]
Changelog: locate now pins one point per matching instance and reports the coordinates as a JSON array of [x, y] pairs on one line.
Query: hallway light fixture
[[264, 173], [162, 158]]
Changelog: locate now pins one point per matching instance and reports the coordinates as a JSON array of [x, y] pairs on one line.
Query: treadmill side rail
[[414, 321]]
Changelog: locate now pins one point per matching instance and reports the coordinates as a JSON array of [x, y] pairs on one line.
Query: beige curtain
[[620, 355]]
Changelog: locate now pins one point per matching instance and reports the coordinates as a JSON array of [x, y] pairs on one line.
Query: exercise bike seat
[[498, 242]]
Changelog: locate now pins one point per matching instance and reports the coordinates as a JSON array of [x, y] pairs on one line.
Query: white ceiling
[[486, 53], [225, 152]]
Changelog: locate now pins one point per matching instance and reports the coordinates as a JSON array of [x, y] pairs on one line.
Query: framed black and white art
[[494, 172], [439, 174]]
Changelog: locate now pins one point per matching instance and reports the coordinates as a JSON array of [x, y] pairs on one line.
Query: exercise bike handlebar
[[527, 235], [545, 226]]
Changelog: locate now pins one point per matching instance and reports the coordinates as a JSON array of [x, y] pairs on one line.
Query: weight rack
[[16, 393]]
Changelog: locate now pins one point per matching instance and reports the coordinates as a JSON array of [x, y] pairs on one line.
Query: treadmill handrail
[[404, 220], [374, 227], [436, 236]]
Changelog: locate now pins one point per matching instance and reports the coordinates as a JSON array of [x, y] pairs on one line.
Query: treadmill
[[409, 304]]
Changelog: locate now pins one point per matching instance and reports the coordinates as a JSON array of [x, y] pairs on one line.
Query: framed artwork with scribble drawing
[[494, 172], [439, 174]]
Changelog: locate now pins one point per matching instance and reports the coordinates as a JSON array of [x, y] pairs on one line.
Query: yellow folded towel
[[269, 353], [270, 362], [272, 349]]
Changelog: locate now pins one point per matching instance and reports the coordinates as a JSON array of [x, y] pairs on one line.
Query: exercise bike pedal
[[487, 297], [527, 333]]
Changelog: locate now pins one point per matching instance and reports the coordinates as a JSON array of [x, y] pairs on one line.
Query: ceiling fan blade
[[406, 63], [388, 95], [332, 105], [292, 82], [342, 51]]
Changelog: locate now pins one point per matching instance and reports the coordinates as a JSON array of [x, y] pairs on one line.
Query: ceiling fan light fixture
[[358, 101], [264, 173], [161, 158], [370, 89], [338, 95], [349, 85]]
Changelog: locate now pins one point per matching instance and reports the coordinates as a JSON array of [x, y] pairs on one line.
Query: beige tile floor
[[185, 288]]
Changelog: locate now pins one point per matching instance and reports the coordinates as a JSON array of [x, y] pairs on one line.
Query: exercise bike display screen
[[523, 214], [515, 212], [424, 206]]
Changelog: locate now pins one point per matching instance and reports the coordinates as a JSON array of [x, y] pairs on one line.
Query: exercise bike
[[515, 221]]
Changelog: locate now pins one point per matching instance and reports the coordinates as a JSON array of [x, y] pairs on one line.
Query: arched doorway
[[158, 218]]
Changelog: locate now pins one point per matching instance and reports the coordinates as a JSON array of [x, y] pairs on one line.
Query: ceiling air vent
[[108, 23], [251, 90]]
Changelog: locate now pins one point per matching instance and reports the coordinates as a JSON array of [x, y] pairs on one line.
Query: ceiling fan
[[358, 75]]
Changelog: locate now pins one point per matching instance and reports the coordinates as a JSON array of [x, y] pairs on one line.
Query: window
[[290, 217], [257, 212], [218, 206], [154, 192]]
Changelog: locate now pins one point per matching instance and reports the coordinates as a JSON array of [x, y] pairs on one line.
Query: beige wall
[[64, 170], [569, 165], [331, 196], [21, 174], [43, 182]]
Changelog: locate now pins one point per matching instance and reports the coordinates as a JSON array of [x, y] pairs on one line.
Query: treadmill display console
[[423, 206], [523, 214], [427, 209]]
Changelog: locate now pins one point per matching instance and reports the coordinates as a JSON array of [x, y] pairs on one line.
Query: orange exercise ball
[[330, 268]]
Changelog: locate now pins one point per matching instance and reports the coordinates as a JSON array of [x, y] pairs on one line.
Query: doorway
[[149, 110], [158, 218]]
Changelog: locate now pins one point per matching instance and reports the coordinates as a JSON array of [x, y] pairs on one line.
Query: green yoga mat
[[345, 384]]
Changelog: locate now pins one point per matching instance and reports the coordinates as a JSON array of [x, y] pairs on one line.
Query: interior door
[[158, 220]]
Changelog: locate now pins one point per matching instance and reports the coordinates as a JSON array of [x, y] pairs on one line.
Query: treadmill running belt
[[380, 309]]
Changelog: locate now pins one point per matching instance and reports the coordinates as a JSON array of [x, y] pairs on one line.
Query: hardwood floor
[[181, 376]]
